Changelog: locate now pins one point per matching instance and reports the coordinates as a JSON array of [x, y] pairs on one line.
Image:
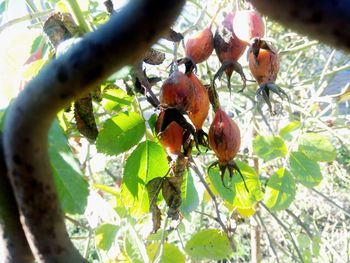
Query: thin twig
[[205, 214], [297, 219], [195, 24], [160, 248], [347, 213], [79, 238], [287, 230], [110, 174], [181, 242], [262, 223], [76, 222], [299, 48], [87, 245], [216, 204], [25, 18]]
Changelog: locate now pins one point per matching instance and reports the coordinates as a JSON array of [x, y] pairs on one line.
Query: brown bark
[[14, 245], [123, 40]]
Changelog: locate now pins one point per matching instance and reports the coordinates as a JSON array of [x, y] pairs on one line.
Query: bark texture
[[13, 244], [325, 20], [123, 40]]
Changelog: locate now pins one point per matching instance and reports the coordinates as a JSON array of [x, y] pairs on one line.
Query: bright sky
[[15, 44]]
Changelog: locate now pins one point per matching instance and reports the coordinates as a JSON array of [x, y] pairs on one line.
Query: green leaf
[[316, 245], [171, 254], [280, 190], [269, 147], [286, 131], [62, 6], [134, 247], [120, 133], [136, 206], [116, 99], [2, 117], [317, 147], [305, 170], [120, 74], [209, 244], [235, 191], [243, 199], [107, 189], [146, 162], [36, 43], [224, 192], [72, 188], [100, 18], [303, 241], [105, 236], [33, 68], [190, 199], [152, 121], [3, 7]]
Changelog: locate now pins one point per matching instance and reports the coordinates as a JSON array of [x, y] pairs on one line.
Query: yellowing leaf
[[317, 147], [246, 212], [280, 190], [171, 254]]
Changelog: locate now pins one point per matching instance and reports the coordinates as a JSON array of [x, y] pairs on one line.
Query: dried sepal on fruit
[[229, 48], [225, 141], [264, 66]]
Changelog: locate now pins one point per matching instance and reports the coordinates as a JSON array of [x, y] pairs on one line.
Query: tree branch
[[13, 242], [123, 40], [325, 20]]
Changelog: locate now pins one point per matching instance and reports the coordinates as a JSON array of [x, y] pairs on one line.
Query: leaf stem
[[78, 14], [160, 249], [87, 245], [297, 219]]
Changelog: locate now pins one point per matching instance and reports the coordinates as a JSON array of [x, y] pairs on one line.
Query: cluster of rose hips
[[184, 94]]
